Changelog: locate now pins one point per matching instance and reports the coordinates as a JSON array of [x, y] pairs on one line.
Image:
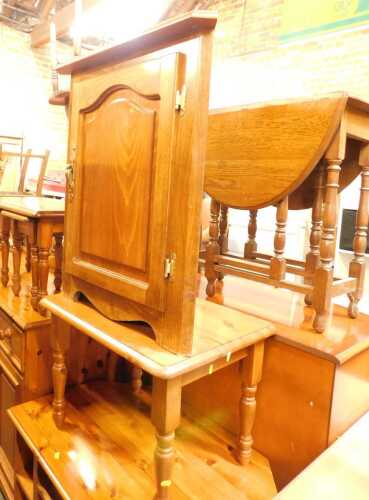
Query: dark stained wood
[[256, 158], [357, 265], [132, 248], [251, 245], [281, 142]]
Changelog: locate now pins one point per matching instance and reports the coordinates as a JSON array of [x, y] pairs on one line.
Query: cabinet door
[[124, 141]]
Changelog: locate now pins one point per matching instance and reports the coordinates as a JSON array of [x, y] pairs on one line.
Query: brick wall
[[247, 36], [25, 85]]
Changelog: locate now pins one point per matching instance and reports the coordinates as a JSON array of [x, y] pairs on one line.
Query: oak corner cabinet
[[137, 140]]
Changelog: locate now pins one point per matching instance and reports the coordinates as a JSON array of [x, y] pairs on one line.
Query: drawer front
[[12, 341]]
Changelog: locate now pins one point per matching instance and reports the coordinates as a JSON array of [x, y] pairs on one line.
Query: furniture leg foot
[[353, 307], [164, 459], [165, 415], [251, 371], [247, 412], [320, 322], [308, 299]]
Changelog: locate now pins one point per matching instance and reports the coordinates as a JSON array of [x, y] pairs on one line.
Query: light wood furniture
[[222, 338], [25, 361], [39, 219], [133, 246], [295, 155], [340, 472], [318, 384], [83, 465], [25, 365], [131, 249]]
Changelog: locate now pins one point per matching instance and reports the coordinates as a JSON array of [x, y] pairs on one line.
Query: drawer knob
[[6, 334]]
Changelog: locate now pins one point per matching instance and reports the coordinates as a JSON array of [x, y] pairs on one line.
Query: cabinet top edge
[[162, 35]]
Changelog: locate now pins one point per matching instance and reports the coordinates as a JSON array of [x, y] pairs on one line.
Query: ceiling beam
[[63, 21], [176, 7]]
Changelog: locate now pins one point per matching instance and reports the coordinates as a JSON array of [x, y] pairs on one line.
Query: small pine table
[[222, 336]]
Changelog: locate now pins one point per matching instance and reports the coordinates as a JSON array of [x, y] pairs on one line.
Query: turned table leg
[[212, 249], [58, 261], [166, 416], [34, 270], [278, 262], [313, 257], [28, 254], [251, 372], [60, 340], [223, 229], [357, 265], [5, 230], [322, 294], [17, 252], [223, 233], [136, 379], [251, 245], [44, 240]]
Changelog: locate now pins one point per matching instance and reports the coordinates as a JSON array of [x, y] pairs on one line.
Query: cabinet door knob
[[5, 334]]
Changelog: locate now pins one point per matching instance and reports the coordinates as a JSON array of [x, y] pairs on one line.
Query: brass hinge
[[169, 266], [70, 181], [69, 174], [181, 99]]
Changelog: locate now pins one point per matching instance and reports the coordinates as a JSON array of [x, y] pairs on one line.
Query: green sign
[[304, 18]]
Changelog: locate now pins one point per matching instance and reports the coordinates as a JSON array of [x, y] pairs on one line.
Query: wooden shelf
[[105, 450]]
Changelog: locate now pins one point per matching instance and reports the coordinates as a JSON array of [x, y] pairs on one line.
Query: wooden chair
[[22, 188], [294, 155]]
